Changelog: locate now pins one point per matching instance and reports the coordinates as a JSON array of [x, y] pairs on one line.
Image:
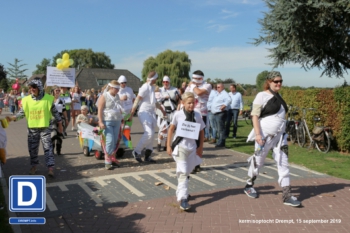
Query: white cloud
[[219, 27], [228, 14], [180, 43]]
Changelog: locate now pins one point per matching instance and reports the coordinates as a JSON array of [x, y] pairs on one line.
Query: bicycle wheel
[[325, 144], [301, 135]]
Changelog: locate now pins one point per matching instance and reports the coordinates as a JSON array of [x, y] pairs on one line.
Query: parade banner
[[61, 78]]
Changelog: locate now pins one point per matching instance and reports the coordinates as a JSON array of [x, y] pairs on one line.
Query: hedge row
[[333, 106]]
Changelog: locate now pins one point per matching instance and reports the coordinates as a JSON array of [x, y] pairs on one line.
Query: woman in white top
[[269, 123], [76, 105], [109, 118]]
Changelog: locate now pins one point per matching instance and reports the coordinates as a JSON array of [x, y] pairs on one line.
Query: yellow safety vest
[[38, 113]]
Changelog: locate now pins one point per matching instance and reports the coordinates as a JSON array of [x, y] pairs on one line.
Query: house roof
[[88, 78]]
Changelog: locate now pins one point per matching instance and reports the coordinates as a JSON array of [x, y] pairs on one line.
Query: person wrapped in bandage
[[168, 97], [201, 91], [268, 114], [146, 113], [186, 151]]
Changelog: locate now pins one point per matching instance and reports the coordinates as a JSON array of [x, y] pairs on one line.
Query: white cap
[[166, 78], [122, 79]]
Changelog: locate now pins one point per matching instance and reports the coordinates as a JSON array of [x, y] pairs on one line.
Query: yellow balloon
[[66, 63], [59, 66], [65, 56], [59, 60], [71, 62]]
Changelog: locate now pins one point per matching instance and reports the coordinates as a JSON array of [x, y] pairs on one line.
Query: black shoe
[[159, 148], [65, 134], [219, 146], [165, 148], [58, 153], [197, 168], [148, 156], [136, 156]]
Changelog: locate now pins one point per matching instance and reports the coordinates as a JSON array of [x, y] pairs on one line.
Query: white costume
[[185, 156], [272, 130], [201, 101], [128, 92], [147, 117]]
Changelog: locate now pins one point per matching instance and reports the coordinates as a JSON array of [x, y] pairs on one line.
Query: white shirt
[[187, 142], [201, 101], [148, 101], [126, 104], [273, 124]]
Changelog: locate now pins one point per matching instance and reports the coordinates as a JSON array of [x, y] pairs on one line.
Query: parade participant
[[38, 109], [187, 152], [169, 97], [235, 109], [84, 117], [66, 97], [76, 105], [201, 91], [110, 117], [126, 95], [268, 114], [147, 117], [60, 106]]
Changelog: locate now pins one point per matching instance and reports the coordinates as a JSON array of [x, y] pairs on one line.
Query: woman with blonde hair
[[109, 117], [76, 105]]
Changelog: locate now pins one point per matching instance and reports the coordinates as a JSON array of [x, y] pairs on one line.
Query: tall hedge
[[333, 106]]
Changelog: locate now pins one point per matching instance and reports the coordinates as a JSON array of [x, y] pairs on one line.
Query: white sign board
[[188, 129], [88, 134], [61, 78]]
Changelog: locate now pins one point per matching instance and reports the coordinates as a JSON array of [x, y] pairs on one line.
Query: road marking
[[129, 186], [100, 181], [162, 180], [273, 168], [260, 174], [62, 187], [228, 175], [50, 203], [193, 176], [90, 192]]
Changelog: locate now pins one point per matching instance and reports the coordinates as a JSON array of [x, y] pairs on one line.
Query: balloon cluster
[[16, 86], [64, 62]]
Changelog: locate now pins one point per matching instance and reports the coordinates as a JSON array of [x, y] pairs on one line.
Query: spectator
[[212, 122], [2, 98], [219, 108], [235, 109], [67, 98], [76, 105]]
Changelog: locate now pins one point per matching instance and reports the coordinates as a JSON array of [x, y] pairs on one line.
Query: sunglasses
[[57, 90], [165, 82], [278, 81], [122, 83], [34, 86]]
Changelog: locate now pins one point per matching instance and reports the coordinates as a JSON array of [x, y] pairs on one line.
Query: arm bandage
[[256, 111], [136, 103]]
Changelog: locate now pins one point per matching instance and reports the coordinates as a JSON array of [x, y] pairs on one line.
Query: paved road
[[84, 197]]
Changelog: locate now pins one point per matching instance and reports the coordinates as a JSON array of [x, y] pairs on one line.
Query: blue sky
[[216, 34]]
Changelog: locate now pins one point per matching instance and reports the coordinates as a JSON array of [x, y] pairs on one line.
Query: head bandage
[[195, 76], [115, 86], [153, 78], [122, 79], [166, 78]]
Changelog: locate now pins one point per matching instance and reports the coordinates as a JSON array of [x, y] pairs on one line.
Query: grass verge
[[332, 163]]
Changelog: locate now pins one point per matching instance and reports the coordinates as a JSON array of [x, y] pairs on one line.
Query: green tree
[[15, 71], [3, 80], [260, 80], [313, 33], [41, 68], [86, 58], [176, 65]]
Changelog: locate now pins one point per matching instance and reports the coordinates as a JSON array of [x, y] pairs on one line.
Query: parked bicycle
[[320, 136], [292, 124], [246, 114]]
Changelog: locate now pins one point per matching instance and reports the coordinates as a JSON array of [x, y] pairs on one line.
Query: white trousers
[[185, 160], [149, 123], [278, 155]]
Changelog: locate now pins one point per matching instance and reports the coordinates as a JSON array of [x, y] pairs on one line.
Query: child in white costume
[[269, 123], [186, 152]]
